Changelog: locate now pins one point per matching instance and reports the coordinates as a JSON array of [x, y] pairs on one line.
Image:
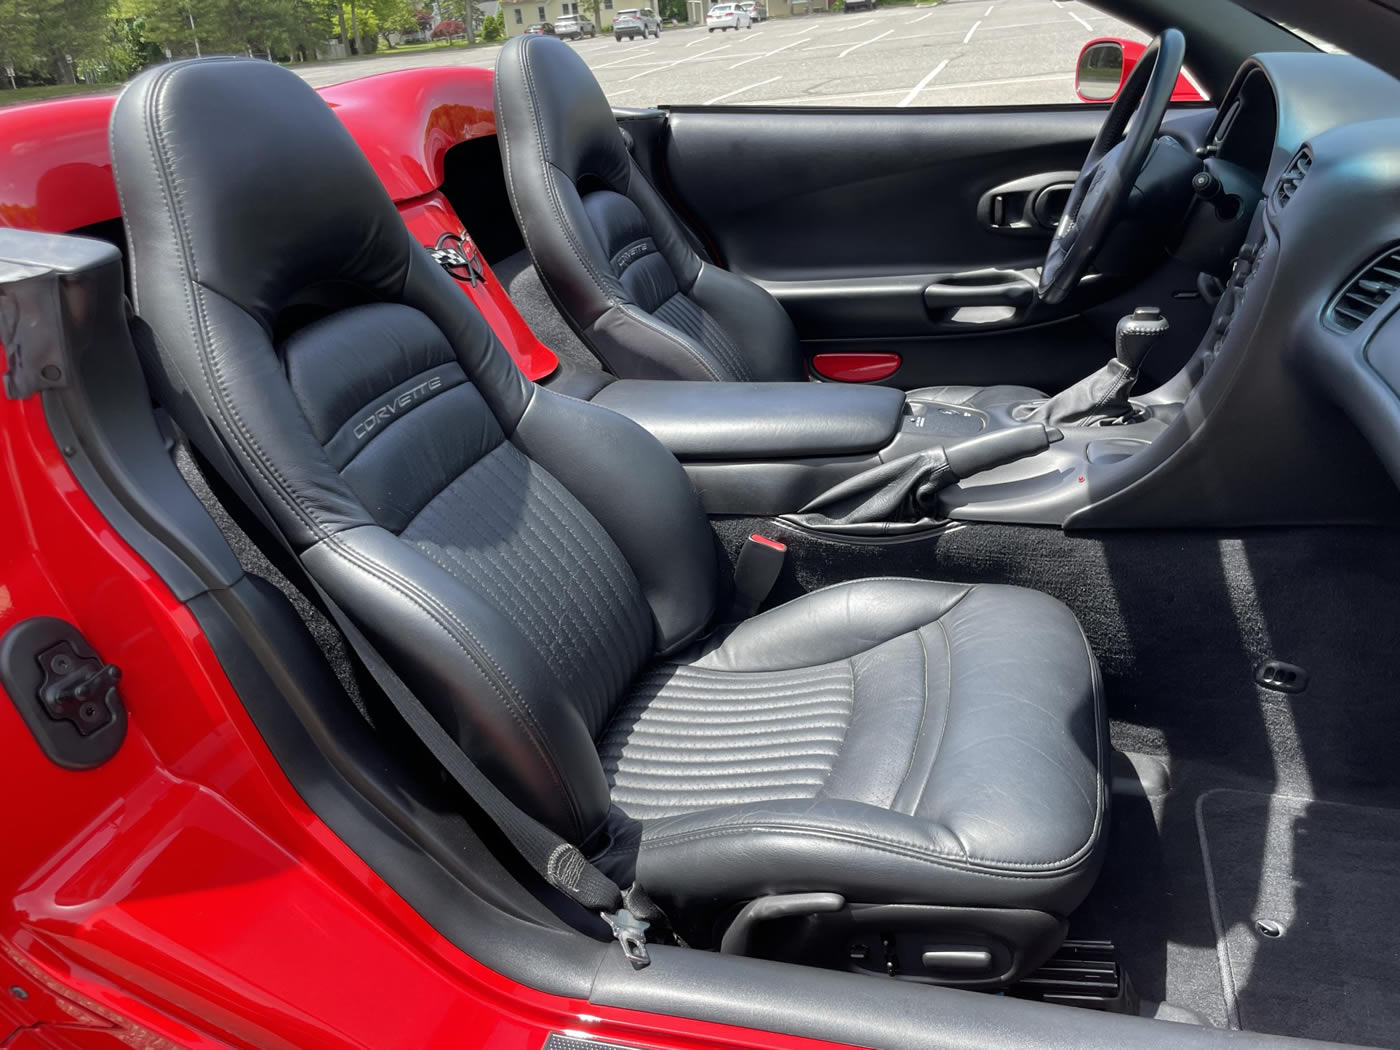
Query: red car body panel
[[183, 894], [56, 167], [1185, 91]]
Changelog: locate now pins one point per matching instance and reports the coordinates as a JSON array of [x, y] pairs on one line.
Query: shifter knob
[[1137, 334]]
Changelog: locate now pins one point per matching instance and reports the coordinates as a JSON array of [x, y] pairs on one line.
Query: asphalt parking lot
[[956, 53]]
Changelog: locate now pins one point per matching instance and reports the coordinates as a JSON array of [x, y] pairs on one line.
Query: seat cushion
[[892, 740]]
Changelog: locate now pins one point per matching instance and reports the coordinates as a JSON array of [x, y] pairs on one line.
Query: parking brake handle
[[999, 447], [906, 489]]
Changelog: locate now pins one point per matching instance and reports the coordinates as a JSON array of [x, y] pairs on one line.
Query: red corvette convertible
[[473, 578]]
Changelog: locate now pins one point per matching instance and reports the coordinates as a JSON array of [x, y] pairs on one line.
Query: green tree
[[53, 38], [393, 16], [17, 43], [129, 50], [493, 28]]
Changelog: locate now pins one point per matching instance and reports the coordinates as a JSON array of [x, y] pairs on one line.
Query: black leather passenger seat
[[539, 571], [612, 254]]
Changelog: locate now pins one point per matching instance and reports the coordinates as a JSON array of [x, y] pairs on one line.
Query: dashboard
[[1290, 406], [1311, 332]]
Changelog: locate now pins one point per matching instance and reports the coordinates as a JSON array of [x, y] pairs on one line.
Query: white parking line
[[872, 40], [765, 54], [617, 62], [854, 25], [988, 12], [1040, 78], [914, 92], [740, 91], [1067, 11], [679, 61], [922, 17], [972, 30]]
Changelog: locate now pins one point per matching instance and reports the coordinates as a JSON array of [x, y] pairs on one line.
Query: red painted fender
[[56, 168]]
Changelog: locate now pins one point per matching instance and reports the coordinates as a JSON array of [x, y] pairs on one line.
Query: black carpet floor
[[1180, 621], [1324, 880]]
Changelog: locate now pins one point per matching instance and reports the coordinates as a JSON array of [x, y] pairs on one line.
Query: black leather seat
[[613, 257], [538, 568]]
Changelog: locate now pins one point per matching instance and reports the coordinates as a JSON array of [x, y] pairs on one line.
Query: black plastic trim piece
[[66, 694]]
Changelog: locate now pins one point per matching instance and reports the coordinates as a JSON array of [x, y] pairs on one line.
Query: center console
[[769, 449]]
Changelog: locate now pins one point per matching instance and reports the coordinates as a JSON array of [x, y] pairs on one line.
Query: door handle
[[979, 288], [1026, 206]]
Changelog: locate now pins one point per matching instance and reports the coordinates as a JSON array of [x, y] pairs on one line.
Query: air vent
[[1367, 293], [1290, 180]]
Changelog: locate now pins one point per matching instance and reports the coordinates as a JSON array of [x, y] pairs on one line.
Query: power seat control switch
[[66, 693]]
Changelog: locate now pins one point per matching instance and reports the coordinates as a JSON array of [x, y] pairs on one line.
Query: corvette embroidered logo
[[632, 253], [387, 411]]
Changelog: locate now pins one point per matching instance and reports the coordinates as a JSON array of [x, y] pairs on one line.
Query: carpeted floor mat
[[1305, 896]]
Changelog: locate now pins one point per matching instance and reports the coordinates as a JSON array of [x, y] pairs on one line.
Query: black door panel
[[890, 232], [809, 195]]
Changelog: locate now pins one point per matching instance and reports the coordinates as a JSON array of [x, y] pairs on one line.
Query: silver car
[[574, 27], [636, 22]]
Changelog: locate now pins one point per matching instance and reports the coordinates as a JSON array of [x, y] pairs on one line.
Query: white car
[[727, 16]]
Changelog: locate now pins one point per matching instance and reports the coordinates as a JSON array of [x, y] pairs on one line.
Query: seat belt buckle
[[630, 932], [756, 571]]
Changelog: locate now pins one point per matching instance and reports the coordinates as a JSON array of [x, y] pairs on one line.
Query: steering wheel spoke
[[1113, 165]]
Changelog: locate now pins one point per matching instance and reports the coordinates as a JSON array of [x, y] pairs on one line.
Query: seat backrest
[[515, 554], [608, 248]]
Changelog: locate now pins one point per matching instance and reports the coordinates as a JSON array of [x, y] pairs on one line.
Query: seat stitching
[[641, 316], [724, 350], [475, 652]]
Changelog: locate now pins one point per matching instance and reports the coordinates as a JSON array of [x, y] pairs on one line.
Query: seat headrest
[[548, 100], [234, 174]]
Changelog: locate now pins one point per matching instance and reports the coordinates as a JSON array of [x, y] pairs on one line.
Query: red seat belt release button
[[757, 570]]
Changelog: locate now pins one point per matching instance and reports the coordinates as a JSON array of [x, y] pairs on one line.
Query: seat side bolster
[[834, 623], [655, 518], [475, 672], [866, 853]]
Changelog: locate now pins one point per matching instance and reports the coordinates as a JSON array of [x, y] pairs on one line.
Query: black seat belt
[[629, 914]]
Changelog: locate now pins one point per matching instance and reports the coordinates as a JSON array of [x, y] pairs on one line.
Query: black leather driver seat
[[539, 570], [613, 257]]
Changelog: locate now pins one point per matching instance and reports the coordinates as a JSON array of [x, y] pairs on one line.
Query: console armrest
[[759, 421]]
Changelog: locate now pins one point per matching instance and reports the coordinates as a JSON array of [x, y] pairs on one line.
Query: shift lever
[[1103, 397], [1137, 334]]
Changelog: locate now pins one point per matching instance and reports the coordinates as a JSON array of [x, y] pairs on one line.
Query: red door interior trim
[[856, 367]]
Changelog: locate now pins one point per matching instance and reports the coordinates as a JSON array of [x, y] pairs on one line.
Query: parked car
[[636, 22], [541, 29], [859, 5], [574, 27], [727, 16], [756, 11]]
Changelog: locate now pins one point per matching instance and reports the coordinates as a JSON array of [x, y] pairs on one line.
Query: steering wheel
[[1113, 166]]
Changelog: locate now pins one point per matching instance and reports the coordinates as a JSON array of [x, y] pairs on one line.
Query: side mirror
[[1104, 66], [1101, 71]]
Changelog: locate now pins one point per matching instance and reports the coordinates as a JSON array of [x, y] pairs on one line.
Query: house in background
[[521, 16]]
